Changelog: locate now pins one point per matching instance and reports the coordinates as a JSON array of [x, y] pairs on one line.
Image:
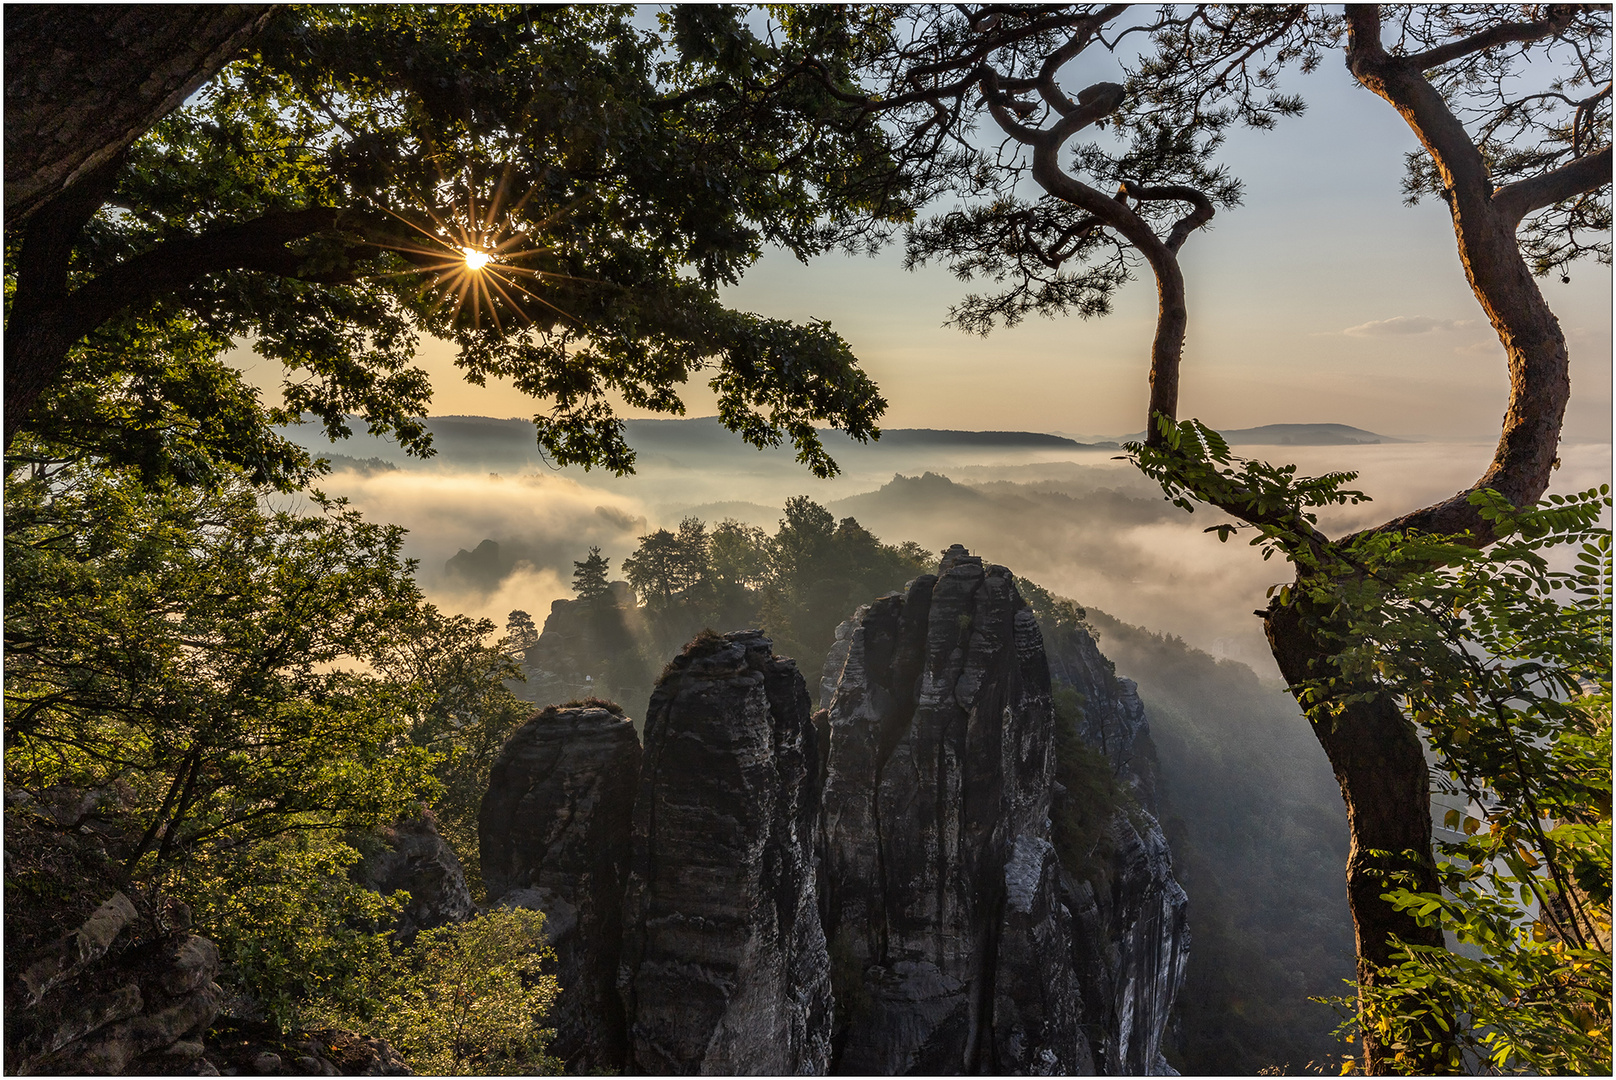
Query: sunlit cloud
[[1400, 325]]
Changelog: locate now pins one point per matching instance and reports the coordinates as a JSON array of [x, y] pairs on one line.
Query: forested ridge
[[235, 725]]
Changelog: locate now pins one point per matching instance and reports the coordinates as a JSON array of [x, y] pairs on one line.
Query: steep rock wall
[[1132, 940], [941, 886], [724, 968], [555, 836]]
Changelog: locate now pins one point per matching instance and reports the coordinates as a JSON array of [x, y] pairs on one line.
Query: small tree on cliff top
[[589, 576]]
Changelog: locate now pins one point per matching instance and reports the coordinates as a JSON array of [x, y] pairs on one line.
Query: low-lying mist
[[1072, 518]]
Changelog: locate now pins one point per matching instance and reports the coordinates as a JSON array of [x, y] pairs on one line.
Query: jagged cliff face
[[941, 885], [555, 831], [707, 895], [724, 966], [1131, 941]]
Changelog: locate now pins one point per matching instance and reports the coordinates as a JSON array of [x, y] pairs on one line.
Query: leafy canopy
[[316, 200]]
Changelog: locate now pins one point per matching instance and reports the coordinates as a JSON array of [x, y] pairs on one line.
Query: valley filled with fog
[[1249, 805], [1067, 515]]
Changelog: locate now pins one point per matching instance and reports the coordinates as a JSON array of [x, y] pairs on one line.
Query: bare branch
[[1560, 17], [1183, 226]]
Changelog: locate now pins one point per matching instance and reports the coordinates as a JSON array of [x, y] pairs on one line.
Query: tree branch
[[259, 244], [1514, 201], [1185, 225], [1560, 17]]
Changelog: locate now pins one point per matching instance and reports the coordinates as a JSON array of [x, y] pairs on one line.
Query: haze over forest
[[1074, 519]]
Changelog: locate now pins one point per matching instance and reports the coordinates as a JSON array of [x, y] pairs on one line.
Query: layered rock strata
[[99, 1008], [941, 888], [1131, 941], [724, 968], [413, 857], [555, 836]]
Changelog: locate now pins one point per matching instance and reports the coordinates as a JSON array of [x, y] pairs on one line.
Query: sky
[[1322, 299]]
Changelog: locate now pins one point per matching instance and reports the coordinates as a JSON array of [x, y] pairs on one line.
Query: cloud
[[1404, 324]]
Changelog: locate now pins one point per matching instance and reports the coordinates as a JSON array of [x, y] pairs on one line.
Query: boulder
[[724, 967], [415, 858], [555, 836]]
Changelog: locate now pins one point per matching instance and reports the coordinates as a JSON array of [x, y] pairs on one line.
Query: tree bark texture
[[85, 81], [1484, 226], [1378, 759]]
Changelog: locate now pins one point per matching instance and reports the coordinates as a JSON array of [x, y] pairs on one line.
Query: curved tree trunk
[[1378, 759], [1375, 751], [85, 81]]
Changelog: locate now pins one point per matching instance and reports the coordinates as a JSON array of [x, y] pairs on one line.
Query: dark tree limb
[[84, 81], [47, 320], [1584, 174], [1559, 17]]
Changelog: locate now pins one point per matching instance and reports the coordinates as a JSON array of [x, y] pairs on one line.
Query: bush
[[467, 999]]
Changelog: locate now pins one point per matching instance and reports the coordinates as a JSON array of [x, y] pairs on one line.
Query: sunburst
[[473, 255]]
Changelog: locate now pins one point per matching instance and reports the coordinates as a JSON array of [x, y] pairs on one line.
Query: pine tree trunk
[[1379, 763]]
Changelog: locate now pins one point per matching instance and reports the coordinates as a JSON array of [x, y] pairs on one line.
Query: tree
[[668, 564], [83, 82], [1506, 156], [466, 710], [1505, 662], [468, 999], [589, 576], [321, 195], [204, 662], [521, 631], [930, 76], [1536, 151]]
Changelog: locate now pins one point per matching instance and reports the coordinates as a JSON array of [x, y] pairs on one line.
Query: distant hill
[[1296, 435], [655, 435], [493, 443]]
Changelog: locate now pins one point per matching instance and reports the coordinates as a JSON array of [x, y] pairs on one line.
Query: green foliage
[[354, 151], [464, 713], [294, 931], [799, 584], [206, 658], [466, 999], [1193, 464], [1503, 662], [589, 576], [1092, 792]]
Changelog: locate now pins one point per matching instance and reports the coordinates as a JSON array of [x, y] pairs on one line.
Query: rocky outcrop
[[255, 1048], [95, 1007], [588, 648], [1113, 718], [1130, 946], [724, 967], [410, 855], [941, 888], [555, 836], [1131, 941]]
